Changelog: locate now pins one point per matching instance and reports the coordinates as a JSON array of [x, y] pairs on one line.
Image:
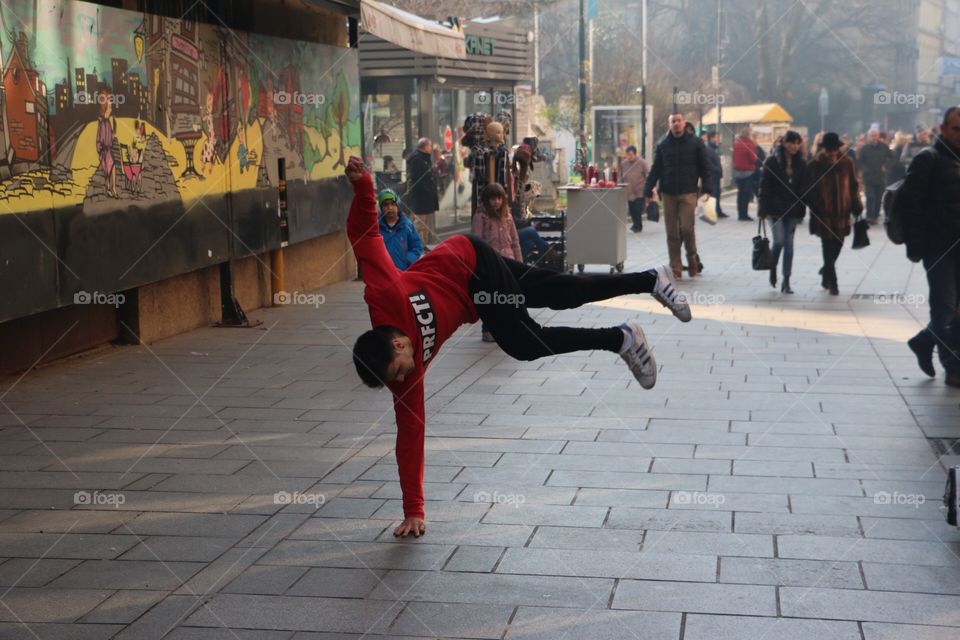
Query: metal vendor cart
[[596, 229]]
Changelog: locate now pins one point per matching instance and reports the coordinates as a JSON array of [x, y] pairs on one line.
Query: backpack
[[892, 214]]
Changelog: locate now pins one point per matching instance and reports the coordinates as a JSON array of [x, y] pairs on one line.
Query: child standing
[[399, 234], [493, 223]]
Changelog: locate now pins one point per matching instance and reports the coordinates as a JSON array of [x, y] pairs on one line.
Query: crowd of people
[[836, 179]]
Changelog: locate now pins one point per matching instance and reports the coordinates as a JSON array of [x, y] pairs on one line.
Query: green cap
[[387, 194]]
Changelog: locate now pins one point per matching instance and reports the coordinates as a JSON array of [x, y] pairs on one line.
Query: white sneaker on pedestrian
[[638, 355], [665, 292]]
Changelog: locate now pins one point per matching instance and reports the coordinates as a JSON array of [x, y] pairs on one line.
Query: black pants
[[636, 207], [744, 196], [503, 290], [831, 251]]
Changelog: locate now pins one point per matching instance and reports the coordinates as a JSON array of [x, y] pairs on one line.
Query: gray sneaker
[[639, 357], [665, 292]]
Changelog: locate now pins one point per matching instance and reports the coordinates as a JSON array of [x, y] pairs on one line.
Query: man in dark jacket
[[421, 193], [679, 163], [929, 202], [874, 162]]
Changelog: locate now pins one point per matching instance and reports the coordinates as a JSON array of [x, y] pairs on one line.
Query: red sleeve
[[363, 229], [411, 425]]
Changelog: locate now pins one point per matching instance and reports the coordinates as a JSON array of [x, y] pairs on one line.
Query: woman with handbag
[[833, 196], [782, 185]]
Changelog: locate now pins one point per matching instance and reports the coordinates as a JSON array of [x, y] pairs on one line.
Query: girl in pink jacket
[[493, 223]]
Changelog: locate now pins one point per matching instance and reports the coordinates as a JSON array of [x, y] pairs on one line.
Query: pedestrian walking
[[421, 193], [921, 140], [781, 200], [634, 171], [712, 145], [874, 161], [744, 166], [834, 195], [897, 169], [463, 280], [929, 205], [682, 169]]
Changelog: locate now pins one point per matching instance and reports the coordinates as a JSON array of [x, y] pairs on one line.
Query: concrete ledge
[[172, 306]]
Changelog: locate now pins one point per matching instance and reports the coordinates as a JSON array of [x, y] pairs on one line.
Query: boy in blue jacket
[[399, 234]]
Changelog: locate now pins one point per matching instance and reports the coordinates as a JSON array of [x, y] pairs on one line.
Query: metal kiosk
[[596, 230]]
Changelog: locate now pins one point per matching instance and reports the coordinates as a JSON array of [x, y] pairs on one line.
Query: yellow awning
[[749, 114]]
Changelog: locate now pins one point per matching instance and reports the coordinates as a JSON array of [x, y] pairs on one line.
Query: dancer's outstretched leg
[[501, 303], [543, 288]]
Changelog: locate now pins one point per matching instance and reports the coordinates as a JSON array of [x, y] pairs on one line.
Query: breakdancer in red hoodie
[[462, 281]]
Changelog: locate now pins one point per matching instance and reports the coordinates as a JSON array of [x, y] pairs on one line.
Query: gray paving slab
[[124, 606], [335, 583], [475, 559], [417, 555], [695, 597], [33, 572], [495, 589], [610, 564], [870, 606], [712, 627], [721, 544], [266, 580], [127, 575], [18, 631], [791, 573], [670, 519], [917, 579], [586, 538], [798, 524], [551, 623], [869, 549], [914, 529], [883, 631], [557, 515], [453, 620], [26, 605], [295, 613]]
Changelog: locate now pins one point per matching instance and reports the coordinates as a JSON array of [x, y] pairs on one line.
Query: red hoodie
[[744, 155], [428, 302]]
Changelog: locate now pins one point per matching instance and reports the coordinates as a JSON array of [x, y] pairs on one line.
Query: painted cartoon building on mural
[[146, 108]]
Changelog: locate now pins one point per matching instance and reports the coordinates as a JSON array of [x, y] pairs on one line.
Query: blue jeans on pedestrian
[[943, 331], [874, 200], [529, 240], [744, 196], [782, 231]]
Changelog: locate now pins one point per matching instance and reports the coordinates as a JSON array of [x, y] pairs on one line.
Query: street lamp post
[[719, 61], [643, 82], [582, 152]]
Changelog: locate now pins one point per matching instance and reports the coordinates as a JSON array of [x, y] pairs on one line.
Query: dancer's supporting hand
[[416, 526]]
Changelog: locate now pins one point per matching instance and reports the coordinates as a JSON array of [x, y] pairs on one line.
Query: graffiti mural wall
[[105, 110]]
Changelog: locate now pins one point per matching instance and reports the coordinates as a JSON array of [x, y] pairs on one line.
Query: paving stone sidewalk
[[781, 480]]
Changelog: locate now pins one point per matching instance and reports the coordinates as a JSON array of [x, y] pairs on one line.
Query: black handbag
[[653, 211], [762, 257], [860, 237]]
